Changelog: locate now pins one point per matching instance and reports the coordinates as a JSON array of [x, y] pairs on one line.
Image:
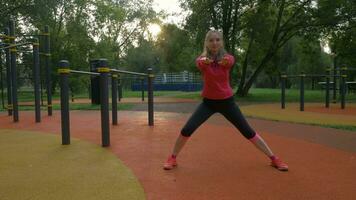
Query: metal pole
[[63, 75], [94, 83], [2, 81], [283, 88], [343, 87], [114, 98], [13, 72], [104, 71], [150, 78], [41, 82], [120, 87], [327, 88], [142, 89], [302, 75], [8, 76], [36, 77], [89, 92], [334, 80], [47, 54]]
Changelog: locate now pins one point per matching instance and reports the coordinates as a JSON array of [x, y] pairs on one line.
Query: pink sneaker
[[170, 163], [279, 164]]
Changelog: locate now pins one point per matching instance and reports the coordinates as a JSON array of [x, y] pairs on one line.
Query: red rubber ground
[[218, 163]]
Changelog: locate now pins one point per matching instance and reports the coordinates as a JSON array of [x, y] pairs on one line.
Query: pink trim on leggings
[[185, 137], [255, 138]]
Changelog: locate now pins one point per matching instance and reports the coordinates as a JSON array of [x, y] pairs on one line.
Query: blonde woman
[[215, 64]]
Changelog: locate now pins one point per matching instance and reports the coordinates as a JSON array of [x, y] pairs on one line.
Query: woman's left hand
[[224, 61]]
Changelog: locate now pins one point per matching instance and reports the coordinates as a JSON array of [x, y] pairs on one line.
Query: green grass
[[256, 95], [271, 95], [340, 127], [27, 95]]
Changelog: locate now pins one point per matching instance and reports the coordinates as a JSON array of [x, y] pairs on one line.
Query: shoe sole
[[280, 169], [169, 168]]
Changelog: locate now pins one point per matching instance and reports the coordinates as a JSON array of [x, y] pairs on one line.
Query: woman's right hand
[[206, 60]]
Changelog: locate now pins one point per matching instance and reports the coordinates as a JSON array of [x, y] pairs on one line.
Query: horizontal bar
[[290, 76], [310, 76], [15, 45], [21, 35], [315, 75], [2, 36], [347, 82], [323, 75], [24, 51], [28, 35], [84, 72], [127, 72]]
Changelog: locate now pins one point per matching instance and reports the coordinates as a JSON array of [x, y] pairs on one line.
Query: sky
[[170, 7]]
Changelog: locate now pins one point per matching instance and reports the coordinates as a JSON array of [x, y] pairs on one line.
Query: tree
[[82, 29], [176, 49], [342, 38], [256, 30], [142, 56]]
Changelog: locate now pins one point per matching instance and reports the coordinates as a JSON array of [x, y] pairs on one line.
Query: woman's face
[[214, 43]]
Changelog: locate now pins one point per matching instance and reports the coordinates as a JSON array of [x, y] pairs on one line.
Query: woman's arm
[[203, 62], [227, 61]]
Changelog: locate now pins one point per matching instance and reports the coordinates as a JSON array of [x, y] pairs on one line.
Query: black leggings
[[227, 107]]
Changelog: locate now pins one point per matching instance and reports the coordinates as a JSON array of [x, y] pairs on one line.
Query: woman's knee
[[248, 134], [186, 132]]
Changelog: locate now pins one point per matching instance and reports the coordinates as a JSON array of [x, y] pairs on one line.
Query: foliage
[[267, 37], [256, 30]]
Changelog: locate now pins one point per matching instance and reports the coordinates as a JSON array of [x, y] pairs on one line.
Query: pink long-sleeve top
[[216, 77]]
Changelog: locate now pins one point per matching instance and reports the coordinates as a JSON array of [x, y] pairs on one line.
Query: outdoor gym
[[106, 100]]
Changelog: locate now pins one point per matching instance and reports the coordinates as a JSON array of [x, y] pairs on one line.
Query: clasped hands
[[208, 61]]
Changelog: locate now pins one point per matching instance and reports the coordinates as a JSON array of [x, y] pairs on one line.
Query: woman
[[215, 64]]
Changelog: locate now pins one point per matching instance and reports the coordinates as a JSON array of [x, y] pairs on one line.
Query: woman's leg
[[258, 141], [201, 114], [234, 115], [180, 142]]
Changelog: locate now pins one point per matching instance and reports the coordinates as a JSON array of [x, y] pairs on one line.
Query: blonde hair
[[206, 51]]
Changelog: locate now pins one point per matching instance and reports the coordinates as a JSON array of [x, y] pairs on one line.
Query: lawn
[[256, 95]]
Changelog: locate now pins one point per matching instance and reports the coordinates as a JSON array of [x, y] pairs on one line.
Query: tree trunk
[[243, 89], [244, 65], [251, 80]]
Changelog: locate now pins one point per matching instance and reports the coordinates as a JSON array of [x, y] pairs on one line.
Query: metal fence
[[178, 77], [182, 81]]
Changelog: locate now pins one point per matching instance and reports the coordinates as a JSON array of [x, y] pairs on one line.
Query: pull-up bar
[[150, 77], [2, 36], [64, 72], [127, 72], [84, 72], [327, 76], [103, 71], [15, 45]]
